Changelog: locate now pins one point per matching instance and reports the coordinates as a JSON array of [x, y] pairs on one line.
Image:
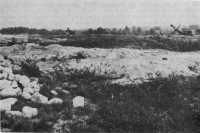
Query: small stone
[[78, 101], [29, 111], [58, 88], [6, 104], [39, 98], [66, 92], [54, 92], [65, 84], [55, 101], [73, 86]]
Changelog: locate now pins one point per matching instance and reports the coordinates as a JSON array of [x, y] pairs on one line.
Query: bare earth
[[125, 65]]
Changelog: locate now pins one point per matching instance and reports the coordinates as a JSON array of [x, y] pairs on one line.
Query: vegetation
[[105, 38], [129, 41], [25, 30], [161, 105]]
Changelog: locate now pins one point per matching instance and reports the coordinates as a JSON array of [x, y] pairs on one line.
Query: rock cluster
[[16, 85]]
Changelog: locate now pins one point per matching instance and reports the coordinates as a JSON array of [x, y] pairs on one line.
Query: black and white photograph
[[100, 66]]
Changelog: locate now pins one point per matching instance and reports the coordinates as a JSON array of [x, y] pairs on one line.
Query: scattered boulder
[[55, 101], [26, 95], [39, 98], [28, 90], [14, 84], [4, 84], [10, 92], [29, 111], [24, 80], [78, 101], [5, 104], [13, 113]]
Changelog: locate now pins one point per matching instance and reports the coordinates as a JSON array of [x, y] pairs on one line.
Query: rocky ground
[[123, 66]]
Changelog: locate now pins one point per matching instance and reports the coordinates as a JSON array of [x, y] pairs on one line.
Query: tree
[[126, 30]]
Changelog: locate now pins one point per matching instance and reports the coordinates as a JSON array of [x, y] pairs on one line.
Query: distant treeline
[[99, 30], [25, 30]]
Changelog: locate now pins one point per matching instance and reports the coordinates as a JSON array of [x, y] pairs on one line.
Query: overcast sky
[[81, 14]]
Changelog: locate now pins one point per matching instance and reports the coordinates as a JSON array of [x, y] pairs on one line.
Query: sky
[[81, 14]]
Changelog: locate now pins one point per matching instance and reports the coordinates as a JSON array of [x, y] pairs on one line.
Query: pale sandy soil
[[127, 65]]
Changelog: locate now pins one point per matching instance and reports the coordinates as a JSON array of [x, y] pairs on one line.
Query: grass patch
[[161, 105]]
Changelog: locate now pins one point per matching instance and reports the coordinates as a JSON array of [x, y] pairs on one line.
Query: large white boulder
[[14, 84], [39, 98], [25, 81], [10, 92], [13, 113], [78, 101], [3, 75], [26, 95], [6, 104], [4, 84], [55, 101], [29, 111], [28, 90]]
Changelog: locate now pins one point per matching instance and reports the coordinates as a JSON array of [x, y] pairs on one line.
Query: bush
[[29, 68]]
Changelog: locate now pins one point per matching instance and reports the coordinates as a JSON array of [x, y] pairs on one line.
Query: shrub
[[29, 68]]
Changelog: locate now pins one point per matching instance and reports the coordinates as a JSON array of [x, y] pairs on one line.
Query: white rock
[[35, 86], [6, 104], [39, 98], [25, 81], [78, 101], [66, 91], [54, 92], [14, 84], [29, 111], [26, 95], [13, 113], [10, 76], [58, 88], [7, 70], [3, 75], [28, 90], [10, 92], [4, 84], [55, 101]]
